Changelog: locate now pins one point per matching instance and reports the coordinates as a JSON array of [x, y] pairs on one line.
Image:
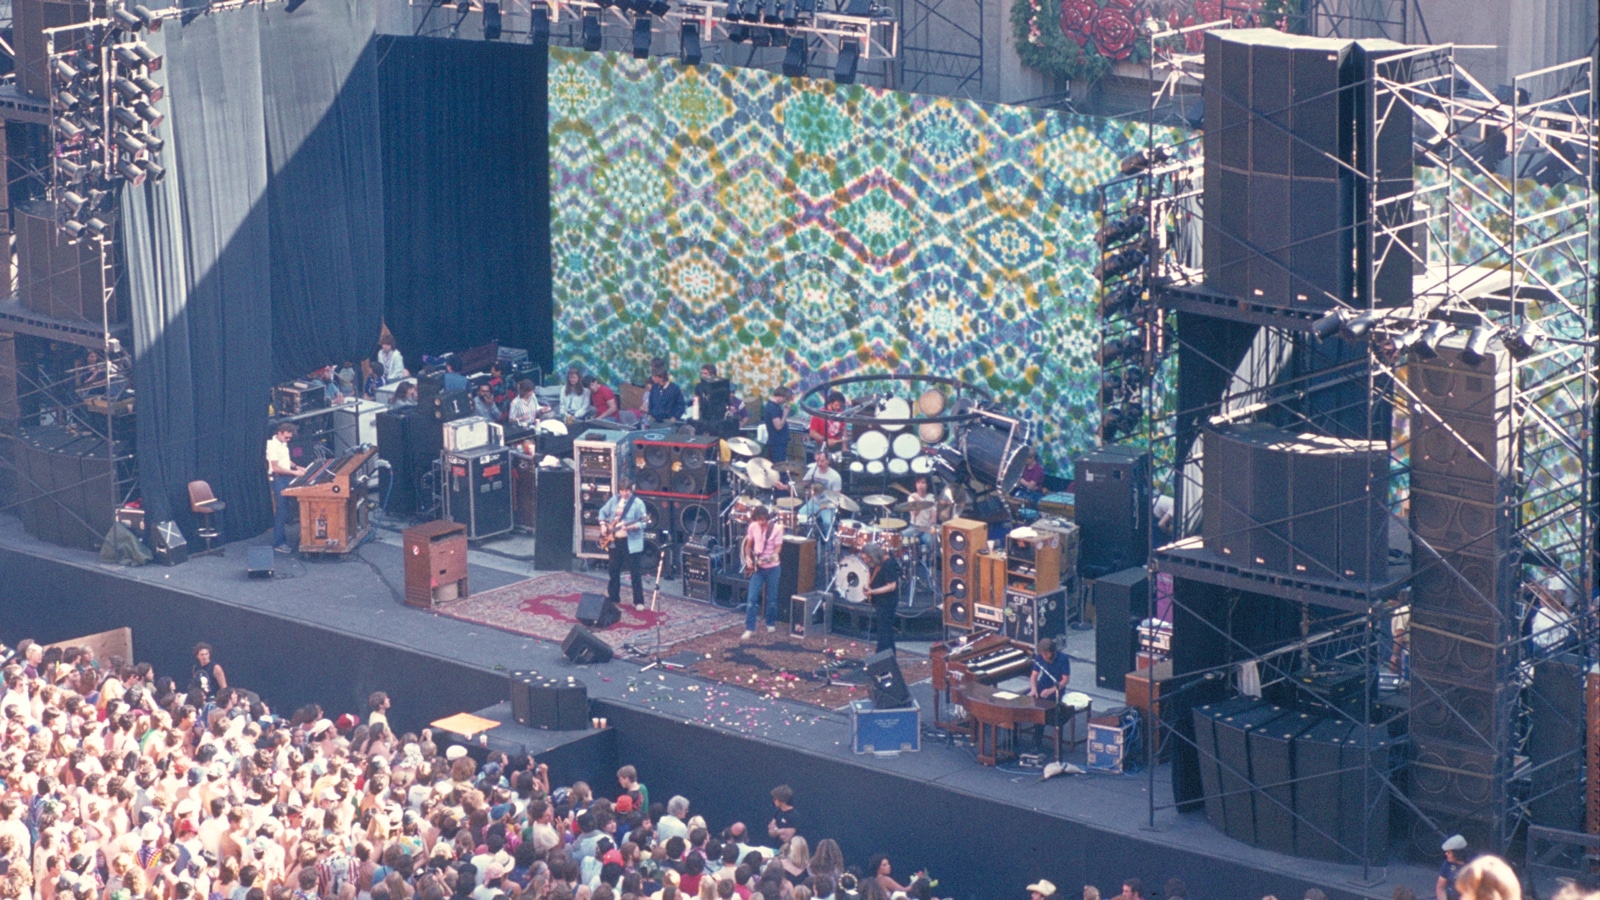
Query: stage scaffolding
[[1501, 191]]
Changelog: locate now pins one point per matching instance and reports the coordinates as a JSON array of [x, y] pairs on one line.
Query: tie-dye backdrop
[[792, 231]]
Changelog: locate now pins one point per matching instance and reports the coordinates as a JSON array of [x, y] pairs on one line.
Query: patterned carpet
[[700, 638], [546, 607]]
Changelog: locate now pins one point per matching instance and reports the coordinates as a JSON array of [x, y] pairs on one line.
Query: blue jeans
[[280, 523], [763, 578]]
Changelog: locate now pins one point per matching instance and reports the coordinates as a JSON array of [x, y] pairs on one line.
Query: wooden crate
[[436, 563]]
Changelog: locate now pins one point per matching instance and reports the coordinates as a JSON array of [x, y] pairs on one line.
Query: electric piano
[[967, 674], [989, 658], [333, 502]]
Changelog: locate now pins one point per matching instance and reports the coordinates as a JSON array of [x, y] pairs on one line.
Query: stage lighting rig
[[1477, 346], [1524, 341], [1121, 229], [1120, 263], [1144, 160], [1124, 297]]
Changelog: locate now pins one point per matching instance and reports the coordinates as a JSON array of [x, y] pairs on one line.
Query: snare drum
[[906, 445], [922, 465], [786, 512], [899, 467], [872, 445], [850, 532], [875, 467]]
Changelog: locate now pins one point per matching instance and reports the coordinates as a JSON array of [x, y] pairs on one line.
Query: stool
[[204, 503]]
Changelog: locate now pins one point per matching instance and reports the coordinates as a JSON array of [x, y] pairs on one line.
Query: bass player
[[760, 553], [624, 516]]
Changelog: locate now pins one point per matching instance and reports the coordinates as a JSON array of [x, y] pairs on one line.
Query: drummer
[[923, 512], [823, 472], [829, 434]]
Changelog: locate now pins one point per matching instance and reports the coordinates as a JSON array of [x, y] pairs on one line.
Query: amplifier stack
[[555, 704]]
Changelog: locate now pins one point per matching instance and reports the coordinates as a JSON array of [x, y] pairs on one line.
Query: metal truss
[[940, 54]]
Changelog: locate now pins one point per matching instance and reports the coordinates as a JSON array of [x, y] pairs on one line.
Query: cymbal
[[744, 446], [789, 502], [841, 501], [914, 506], [878, 500], [761, 473], [790, 468]]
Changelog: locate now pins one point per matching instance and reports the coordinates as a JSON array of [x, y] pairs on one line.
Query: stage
[[332, 631]]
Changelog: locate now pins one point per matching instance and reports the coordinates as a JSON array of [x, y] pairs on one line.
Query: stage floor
[[360, 596]]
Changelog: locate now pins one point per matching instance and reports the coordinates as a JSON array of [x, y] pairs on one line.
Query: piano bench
[[855, 620]]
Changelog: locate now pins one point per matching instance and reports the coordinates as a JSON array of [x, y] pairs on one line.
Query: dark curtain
[[198, 277], [466, 202], [260, 255], [325, 185]]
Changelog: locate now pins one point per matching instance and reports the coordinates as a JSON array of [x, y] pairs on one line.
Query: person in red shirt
[[603, 398], [827, 433]]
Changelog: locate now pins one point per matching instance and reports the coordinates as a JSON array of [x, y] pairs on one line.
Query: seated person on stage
[[823, 472], [404, 395], [394, 365], [1048, 680], [372, 378], [344, 379], [829, 434], [602, 398], [663, 402], [525, 408], [574, 398], [1030, 487], [926, 520], [453, 379], [483, 403]]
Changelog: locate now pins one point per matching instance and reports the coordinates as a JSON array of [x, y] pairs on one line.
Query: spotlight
[[150, 58], [155, 171], [659, 7], [126, 89], [844, 71], [150, 141], [126, 117], [128, 143], [74, 202], [1119, 263], [689, 44], [1144, 159], [69, 129], [133, 173], [772, 14], [97, 227], [1125, 296], [66, 71], [74, 228], [125, 18], [539, 33], [641, 38], [1126, 349], [790, 16], [591, 33], [74, 171], [491, 20], [1327, 326], [1477, 344], [1523, 342], [794, 60], [1355, 329], [151, 21], [67, 100], [148, 113], [1427, 346], [88, 63], [1121, 229]]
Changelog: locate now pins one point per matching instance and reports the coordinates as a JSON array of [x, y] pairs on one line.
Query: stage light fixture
[[73, 228], [1427, 346], [154, 170], [1357, 328], [151, 142], [97, 227], [738, 34], [148, 113], [1142, 160], [1125, 296], [126, 89], [1120, 229], [790, 17], [128, 143], [772, 12], [66, 100], [591, 33], [689, 44], [1523, 342], [1120, 263], [74, 202], [659, 7], [69, 129], [1125, 349], [150, 58], [844, 70], [151, 21], [539, 32], [794, 60], [126, 117], [126, 19], [1327, 326], [641, 38], [491, 20], [133, 173], [1477, 344], [73, 170], [66, 70]]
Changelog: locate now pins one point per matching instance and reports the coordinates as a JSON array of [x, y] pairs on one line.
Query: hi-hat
[[744, 446], [789, 468], [840, 501], [878, 500], [914, 506]]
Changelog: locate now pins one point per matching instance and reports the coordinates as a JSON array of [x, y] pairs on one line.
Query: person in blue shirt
[[453, 379], [775, 415], [664, 401], [626, 514], [1051, 672]]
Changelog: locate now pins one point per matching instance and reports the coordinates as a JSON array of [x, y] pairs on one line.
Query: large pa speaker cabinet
[[797, 568], [1121, 601], [596, 611], [1452, 778], [1317, 753], [1205, 718], [552, 524], [1233, 756], [524, 491], [682, 467], [1272, 772], [1387, 243], [695, 520], [553, 704], [1301, 504], [1364, 798], [1556, 742], [398, 432], [56, 278], [1112, 495], [887, 685], [581, 646], [962, 538], [478, 491], [1462, 584], [1453, 389], [519, 684]]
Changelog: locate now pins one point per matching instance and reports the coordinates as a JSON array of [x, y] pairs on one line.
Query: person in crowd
[[394, 364], [623, 516], [1132, 889], [880, 871], [785, 824], [206, 676], [1488, 878], [828, 434], [760, 554], [1455, 858], [575, 402], [1042, 890], [405, 394], [602, 398], [281, 470], [663, 402], [883, 592], [775, 416]]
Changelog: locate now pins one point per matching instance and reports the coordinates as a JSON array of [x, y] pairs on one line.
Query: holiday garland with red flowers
[[1078, 39]]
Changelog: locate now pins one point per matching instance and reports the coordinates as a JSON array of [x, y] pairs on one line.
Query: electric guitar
[[610, 531]]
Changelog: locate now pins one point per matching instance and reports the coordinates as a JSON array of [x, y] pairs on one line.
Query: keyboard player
[[281, 470], [1048, 680]]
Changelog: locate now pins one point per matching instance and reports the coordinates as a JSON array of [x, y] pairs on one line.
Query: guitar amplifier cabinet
[[296, 397], [797, 569], [436, 562], [478, 491]]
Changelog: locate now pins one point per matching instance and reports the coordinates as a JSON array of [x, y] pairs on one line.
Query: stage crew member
[[883, 592], [827, 433], [281, 470], [775, 415], [394, 365], [763, 544], [525, 408], [624, 514], [664, 401]]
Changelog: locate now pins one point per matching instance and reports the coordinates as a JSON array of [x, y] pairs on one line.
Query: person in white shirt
[[823, 472], [672, 824], [281, 470], [525, 408], [394, 364], [575, 403]]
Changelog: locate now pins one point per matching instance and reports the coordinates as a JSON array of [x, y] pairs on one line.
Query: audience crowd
[[116, 784]]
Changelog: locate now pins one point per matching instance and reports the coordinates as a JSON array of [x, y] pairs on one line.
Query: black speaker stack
[[1463, 596], [582, 647], [678, 477], [1121, 602], [554, 704], [1111, 488], [552, 518]]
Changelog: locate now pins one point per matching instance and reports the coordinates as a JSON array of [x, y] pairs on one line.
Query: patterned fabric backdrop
[[794, 231]]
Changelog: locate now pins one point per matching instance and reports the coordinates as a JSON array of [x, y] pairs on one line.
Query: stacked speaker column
[[961, 540], [678, 479], [1463, 623]]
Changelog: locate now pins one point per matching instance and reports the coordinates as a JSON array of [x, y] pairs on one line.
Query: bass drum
[[852, 579], [872, 445], [899, 467], [906, 445]]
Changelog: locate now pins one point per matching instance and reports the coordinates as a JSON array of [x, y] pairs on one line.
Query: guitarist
[[622, 522], [763, 543]]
